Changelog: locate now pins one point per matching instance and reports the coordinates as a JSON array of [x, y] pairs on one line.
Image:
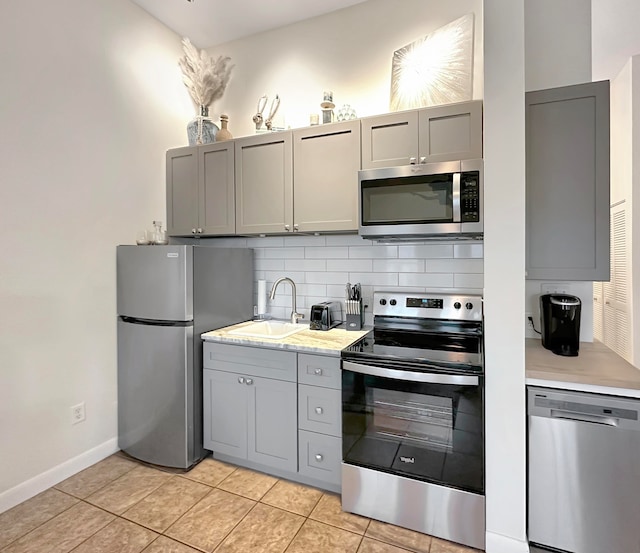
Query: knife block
[[354, 314]]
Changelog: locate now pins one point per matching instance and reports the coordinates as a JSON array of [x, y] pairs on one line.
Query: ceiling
[[210, 22]]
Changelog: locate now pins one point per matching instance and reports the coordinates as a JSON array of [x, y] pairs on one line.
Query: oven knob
[[469, 305], [383, 302], [457, 305], [393, 302]]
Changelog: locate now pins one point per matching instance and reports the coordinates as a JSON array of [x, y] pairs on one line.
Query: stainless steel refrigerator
[[168, 296]]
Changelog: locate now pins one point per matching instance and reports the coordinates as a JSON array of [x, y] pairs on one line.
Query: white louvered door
[[616, 319]]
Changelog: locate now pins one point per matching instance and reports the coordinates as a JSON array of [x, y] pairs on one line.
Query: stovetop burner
[[423, 332]]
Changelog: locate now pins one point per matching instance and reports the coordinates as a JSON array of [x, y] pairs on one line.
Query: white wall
[[634, 210], [348, 52], [558, 53], [91, 99]]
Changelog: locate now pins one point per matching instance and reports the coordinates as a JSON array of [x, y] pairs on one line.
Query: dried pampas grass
[[205, 78]]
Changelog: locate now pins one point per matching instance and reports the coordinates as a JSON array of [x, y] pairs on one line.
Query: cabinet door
[[567, 208], [217, 213], [451, 132], [389, 140], [325, 178], [225, 413], [182, 191], [272, 432], [264, 184]]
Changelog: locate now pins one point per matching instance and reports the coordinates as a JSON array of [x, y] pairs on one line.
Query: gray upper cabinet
[[567, 187], [325, 177], [441, 133], [201, 190], [264, 184]]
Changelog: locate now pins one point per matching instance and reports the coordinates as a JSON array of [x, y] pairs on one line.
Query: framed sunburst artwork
[[437, 69]]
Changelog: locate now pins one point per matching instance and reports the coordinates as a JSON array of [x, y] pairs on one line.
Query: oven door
[[421, 425]]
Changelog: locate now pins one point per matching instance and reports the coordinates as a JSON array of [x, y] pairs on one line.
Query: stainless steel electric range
[[413, 416]]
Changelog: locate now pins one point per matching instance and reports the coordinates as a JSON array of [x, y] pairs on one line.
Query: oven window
[[408, 200], [431, 432]]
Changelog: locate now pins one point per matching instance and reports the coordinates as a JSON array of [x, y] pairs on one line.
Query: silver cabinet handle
[[249, 381], [412, 160], [295, 227], [319, 410], [199, 231], [240, 380], [193, 231], [319, 457], [318, 372], [423, 159], [287, 228]]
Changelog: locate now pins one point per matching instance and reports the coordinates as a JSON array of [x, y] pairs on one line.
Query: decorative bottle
[[201, 130], [223, 133]]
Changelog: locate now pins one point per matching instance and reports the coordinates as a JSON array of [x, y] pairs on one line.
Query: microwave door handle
[[430, 378], [456, 198]]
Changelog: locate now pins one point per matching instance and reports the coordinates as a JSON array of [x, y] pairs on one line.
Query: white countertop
[[328, 342], [596, 369]]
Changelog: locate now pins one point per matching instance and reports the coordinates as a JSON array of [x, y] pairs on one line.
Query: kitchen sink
[[269, 329]]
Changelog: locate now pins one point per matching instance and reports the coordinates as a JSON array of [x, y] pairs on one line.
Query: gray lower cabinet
[[320, 418], [201, 190], [567, 187], [247, 416], [441, 133]]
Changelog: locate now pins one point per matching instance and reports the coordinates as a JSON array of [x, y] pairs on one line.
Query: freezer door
[[155, 282], [156, 394]]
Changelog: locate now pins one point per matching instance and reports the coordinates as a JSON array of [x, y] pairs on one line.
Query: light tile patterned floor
[[121, 506]]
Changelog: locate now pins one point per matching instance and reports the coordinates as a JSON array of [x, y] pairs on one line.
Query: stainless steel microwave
[[430, 200]]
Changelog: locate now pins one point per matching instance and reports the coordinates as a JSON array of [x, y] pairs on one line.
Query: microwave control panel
[[470, 197]]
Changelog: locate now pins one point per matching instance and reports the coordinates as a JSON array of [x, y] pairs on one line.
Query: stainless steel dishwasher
[[584, 472]]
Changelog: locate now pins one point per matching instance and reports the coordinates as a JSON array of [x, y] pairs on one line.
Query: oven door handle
[[432, 378]]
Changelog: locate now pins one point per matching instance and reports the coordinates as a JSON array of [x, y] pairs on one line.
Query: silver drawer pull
[[319, 457], [249, 381], [240, 380], [317, 371], [319, 410]]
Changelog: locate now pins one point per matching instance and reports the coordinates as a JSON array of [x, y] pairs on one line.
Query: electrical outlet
[[555, 288], [77, 413], [528, 317]]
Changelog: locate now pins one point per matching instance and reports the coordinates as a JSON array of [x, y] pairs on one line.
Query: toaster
[[325, 315]]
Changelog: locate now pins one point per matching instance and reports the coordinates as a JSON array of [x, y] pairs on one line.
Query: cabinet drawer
[[269, 363], [320, 456], [319, 370], [319, 410]]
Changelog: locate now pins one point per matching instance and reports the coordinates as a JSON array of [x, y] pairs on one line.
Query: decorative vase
[[223, 133], [201, 130]]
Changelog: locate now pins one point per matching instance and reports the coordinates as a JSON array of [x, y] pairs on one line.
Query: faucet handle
[[295, 317]]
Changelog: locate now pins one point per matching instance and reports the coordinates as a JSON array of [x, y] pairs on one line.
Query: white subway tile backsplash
[[298, 240], [469, 280], [455, 265], [327, 278], [305, 265], [430, 251], [231, 242], [374, 279], [398, 266], [284, 253], [361, 265], [468, 251], [327, 253], [346, 240], [428, 280], [373, 252], [313, 290], [262, 264], [272, 276], [337, 291]]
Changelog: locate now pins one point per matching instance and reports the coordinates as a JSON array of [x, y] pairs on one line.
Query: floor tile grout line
[[235, 526]]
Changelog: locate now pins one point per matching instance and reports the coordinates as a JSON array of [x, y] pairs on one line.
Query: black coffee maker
[[560, 316]]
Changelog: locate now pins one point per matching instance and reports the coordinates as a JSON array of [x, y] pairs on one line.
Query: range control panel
[[428, 306]]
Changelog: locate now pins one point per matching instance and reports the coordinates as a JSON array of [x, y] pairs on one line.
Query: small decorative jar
[[223, 133]]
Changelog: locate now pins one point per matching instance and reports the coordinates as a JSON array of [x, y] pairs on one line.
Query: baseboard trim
[[53, 476], [497, 543]]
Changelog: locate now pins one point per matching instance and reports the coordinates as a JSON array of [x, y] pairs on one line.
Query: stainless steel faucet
[[294, 315]]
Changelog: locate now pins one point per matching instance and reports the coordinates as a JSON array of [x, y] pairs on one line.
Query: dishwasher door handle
[[584, 417]]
